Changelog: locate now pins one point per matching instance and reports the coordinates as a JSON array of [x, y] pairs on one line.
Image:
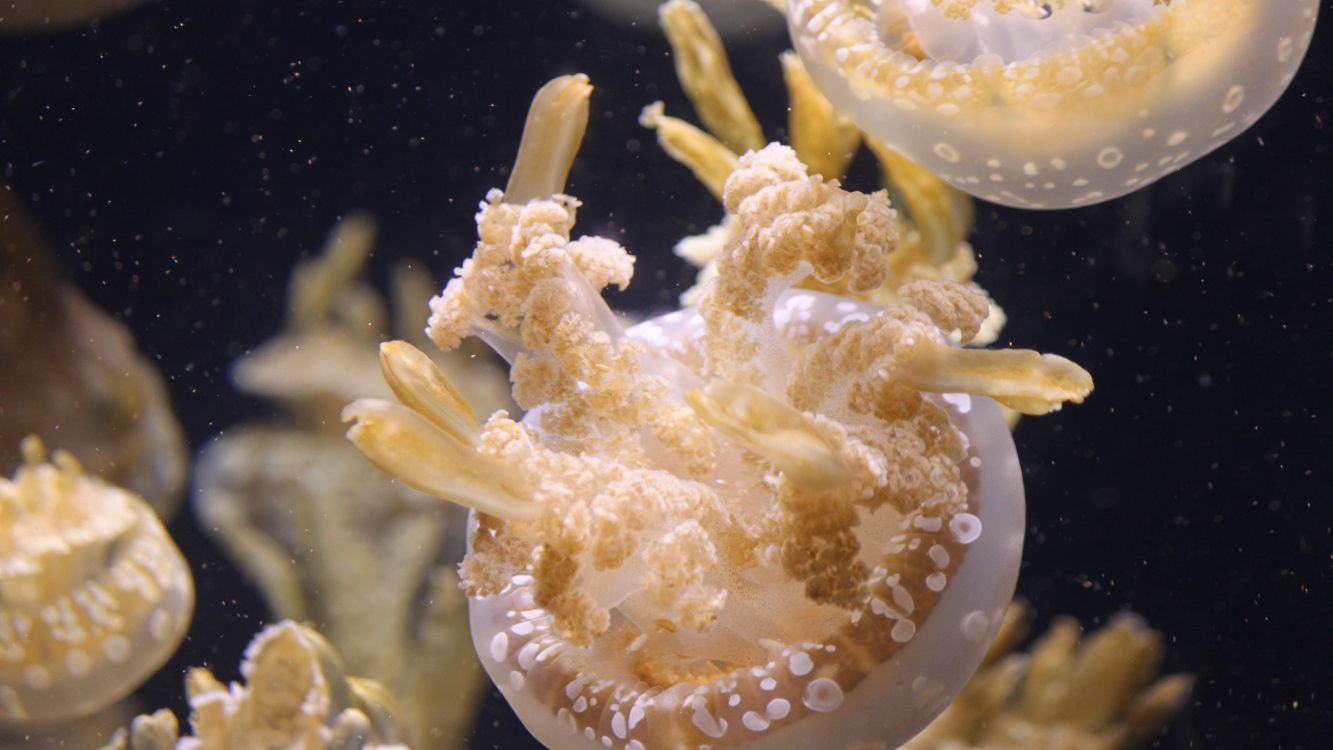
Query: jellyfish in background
[[780, 519], [296, 694], [94, 596], [1052, 104]]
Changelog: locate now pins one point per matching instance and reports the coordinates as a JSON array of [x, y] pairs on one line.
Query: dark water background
[[182, 156]]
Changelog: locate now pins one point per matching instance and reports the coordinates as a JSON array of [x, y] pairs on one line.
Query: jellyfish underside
[[1052, 104], [782, 518], [777, 671]]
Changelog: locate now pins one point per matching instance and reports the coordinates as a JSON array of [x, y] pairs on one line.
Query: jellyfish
[[296, 694], [1052, 104], [781, 518], [1100, 691], [369, 559], [94, 595]]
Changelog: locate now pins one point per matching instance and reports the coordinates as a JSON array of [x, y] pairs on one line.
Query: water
[[180, 157]]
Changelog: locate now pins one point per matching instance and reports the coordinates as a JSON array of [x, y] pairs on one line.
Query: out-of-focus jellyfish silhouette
[[1103, 693], [297, 694], [94, 596], [325, 536], [72, 376], [28, 16], [1052, 104], [782, 518]]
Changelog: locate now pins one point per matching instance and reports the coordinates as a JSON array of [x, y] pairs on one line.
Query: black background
[[182, 156]]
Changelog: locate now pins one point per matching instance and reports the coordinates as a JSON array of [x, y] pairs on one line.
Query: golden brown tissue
[[73, 376], [324, 536]]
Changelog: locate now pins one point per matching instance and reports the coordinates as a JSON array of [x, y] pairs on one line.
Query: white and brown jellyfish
[[1056, 103], [779, 519], [94, 595]]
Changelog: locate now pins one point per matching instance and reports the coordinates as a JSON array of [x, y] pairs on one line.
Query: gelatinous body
[[877, 674], [1052, 105], [778, 519], [94, 596]]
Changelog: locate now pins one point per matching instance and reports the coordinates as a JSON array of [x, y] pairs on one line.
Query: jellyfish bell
[[775, 670], [1052, 104], [94, 595]]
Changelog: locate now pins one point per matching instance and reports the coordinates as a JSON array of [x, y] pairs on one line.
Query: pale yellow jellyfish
[[296, 694], [94, 596], [782, 519], [1052, 104]]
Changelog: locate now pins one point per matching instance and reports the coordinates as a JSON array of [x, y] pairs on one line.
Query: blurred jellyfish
[[1052, 104], [94, 595]]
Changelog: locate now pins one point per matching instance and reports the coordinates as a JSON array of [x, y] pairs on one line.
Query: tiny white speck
[[754, 722], [903, 631], [527, 656], [78, 663], [974, 625], [961, 401], [966, 527], [159, 625], [800, 664], [500, 646], [822, 695], [116, 648], [37, 677], [618, 725]]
